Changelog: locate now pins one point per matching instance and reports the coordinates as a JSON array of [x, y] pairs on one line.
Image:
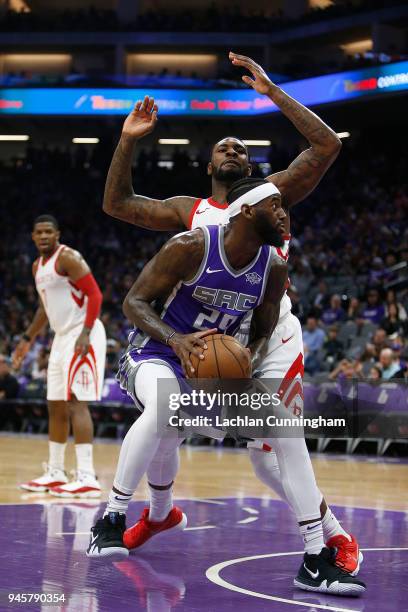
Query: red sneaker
[[143, 530], [347, 554]]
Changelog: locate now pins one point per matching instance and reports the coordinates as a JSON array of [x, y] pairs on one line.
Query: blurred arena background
[[68, 72]]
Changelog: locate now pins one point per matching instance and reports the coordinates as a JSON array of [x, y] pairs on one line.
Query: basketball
[[225, 357]]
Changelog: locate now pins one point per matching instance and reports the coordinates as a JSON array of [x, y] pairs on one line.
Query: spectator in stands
[[334, 314], [391, 298], [392, 323], [388, 363], [321, 299], [347, 369], [377, 271], [380, 341], [8, 383], [313, 339], [332, 347], [354, 309], [301, 275], [375, 373], [374, 309]]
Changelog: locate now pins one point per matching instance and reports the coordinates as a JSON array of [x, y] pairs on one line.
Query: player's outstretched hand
[[260, 82], [20, 352], [184, 344], [82, 343], [142, 119]]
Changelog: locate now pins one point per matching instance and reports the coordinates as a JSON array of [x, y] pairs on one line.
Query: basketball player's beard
[[229, 175], [269, 234]]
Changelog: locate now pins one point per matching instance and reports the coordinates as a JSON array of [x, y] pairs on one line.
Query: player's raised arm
[[178, 260], [120, 200], [306, 171], [266, 315]]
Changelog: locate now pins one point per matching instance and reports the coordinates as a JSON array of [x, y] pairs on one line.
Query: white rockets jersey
[[63, 302], [210, 212]]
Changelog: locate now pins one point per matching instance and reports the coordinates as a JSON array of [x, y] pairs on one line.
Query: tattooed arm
[[306, 171], [119, 199]]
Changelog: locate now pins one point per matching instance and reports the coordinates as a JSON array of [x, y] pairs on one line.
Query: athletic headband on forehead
[[252, 197]]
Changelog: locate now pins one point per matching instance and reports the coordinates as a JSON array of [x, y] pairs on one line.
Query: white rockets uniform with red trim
[[285, 357], [68, 373]]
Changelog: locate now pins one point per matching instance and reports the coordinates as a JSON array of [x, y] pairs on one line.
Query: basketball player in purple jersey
[[214, 268], [284, 359]]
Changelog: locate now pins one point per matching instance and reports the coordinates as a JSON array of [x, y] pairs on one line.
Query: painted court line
[[202, 527], [213, 574], [203, 500], [250, 519]]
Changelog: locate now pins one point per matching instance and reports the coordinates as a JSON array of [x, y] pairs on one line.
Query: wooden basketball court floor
[[241, 548]]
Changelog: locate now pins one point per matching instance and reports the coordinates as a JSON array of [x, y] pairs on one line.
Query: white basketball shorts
[[69, 374], [284, 364]]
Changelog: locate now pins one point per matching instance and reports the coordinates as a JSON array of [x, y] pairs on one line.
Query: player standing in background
[[291, 473], [70, 302]]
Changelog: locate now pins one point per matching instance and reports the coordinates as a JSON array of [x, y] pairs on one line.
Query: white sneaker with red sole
[[84, 485], [52, 477], [143, 530], [347, 554]]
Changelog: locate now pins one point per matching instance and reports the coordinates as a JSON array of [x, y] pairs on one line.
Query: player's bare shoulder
[[70, 259], [185, 250]]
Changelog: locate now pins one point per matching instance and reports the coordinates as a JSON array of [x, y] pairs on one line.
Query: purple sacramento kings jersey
[[217, 297]]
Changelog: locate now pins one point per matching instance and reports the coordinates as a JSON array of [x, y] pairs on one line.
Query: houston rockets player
[[205, 278], [284, 360], [70, 302]]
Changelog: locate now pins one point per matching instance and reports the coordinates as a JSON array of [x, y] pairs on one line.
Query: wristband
[[26, 337], [169, 337]]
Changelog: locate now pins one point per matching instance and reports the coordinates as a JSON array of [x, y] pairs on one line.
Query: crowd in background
[[348, 253], [295, 66], [230, 17]]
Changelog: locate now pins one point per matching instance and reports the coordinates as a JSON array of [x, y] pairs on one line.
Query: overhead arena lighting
[[14, 137], [85, 140], [343, 134], [172, 141], [257, 143]]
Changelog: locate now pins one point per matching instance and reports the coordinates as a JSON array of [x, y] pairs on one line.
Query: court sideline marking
[[213, 574]]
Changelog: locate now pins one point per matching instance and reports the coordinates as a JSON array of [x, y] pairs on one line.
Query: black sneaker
[[317, 573], [107, 537]]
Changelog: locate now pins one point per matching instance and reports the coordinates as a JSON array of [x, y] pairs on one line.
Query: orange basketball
[[225, 357]]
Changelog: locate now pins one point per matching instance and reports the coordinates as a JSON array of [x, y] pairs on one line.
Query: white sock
[[56, 458], [312, 534], [84, 457], [332, 527], [118, 502], [161, 502]]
